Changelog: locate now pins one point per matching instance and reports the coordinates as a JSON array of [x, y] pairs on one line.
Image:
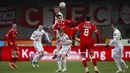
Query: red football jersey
[[65, 26], [11, 36], [86, 31]]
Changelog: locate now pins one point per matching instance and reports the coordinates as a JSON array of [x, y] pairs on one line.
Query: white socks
[[36, 57], [95, 68], [123, 62], [59, 62], [118, 63], [64, 63], [86, 69]]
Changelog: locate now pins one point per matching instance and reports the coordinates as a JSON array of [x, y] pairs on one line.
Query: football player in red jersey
[[65, 25], [11, 38], [86, 41]]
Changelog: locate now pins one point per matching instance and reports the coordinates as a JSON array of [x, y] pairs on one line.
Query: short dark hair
[[87, 18], [57, 16]]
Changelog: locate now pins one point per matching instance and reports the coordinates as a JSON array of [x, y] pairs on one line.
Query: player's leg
[[59, 62], [16, 55], [13, 57], [83, 54], [64, 57], [31, 55], [122, 61], [57, 50], [38, 55], [117, 60], [124, 65], [57, 46], [11, 60], [92, 57]]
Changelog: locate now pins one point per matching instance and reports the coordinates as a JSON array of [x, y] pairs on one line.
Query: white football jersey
[[37, 35], [64, 39], [117, 39]]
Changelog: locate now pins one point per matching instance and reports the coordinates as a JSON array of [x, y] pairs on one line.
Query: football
[[62, 4]]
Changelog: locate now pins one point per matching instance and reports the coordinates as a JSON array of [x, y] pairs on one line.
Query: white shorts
[[118, 53], [38, 46], [65, 50]]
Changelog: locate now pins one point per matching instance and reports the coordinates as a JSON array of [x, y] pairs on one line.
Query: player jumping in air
[[86, 42], [36, 37], [118, 50], [11, 38], [64, 25], [66, 47], [57, 12]]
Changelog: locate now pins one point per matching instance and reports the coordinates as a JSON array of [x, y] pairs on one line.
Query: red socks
[[13, 60], [94, 62], [84, 62]]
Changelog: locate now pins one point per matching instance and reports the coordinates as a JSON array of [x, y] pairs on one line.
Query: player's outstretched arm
[[47, 37]]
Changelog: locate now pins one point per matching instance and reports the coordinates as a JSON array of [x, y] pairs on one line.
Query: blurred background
[[28, 14]]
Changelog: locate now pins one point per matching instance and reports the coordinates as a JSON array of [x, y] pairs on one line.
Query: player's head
[[14, 26], [87, 18], [40, 27], [113, 26], [56, 9], [59, 18], [125, 13], [61, 32]]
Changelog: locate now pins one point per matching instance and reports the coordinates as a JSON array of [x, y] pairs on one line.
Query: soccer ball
[[62, 4]]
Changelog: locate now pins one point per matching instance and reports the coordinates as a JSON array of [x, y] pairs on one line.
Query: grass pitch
[[51, 67]]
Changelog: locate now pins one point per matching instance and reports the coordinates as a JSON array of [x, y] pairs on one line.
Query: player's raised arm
[[75, 29], [70, 22], [114, 38], [46, 36]]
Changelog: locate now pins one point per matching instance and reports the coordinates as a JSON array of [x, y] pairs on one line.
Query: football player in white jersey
[[66, 47], [36, 37], [118, 50], [57, 12]]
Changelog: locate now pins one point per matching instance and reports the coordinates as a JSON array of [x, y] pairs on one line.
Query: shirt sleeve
[[79, 26], [96, 32], [33, 36], [114, 38], [70, 22], [46, 35], [7, 36], [94, 28]]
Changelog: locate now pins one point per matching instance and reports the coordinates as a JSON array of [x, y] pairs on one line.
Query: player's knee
[[63, 57], [83, 54], [59, 56], [41, 55], [83, 58], [115, 57]]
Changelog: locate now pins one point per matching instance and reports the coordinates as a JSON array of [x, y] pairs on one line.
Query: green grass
[[51, 67]]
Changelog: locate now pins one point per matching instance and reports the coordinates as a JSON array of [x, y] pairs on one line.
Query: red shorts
[[84, 46], [12, 47]]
